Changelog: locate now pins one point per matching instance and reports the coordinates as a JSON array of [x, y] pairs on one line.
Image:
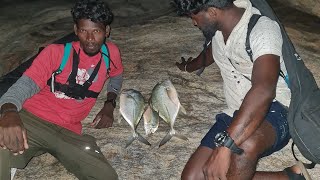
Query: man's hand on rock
[[104, 118], [183, 64], [13, 136]]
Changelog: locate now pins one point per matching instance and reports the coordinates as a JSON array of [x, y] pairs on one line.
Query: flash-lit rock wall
[[27, 25], [308, 6]]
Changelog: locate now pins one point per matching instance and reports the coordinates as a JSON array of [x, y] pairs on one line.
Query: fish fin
[[165, 139], [119, 120], [182, 110], [136, 126], [181, 137], [159, 117], [154, 129], [147, 131], [151, 131], [147, 115], [143, 140], [168, 112], [131, 139]]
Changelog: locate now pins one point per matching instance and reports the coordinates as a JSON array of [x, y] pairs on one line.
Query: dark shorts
[[277, 117]]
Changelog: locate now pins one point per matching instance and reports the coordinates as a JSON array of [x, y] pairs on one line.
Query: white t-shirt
[[265, 38]]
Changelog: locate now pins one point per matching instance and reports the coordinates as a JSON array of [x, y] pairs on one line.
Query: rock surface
[[28, 25], [149, 50], [308, 6]]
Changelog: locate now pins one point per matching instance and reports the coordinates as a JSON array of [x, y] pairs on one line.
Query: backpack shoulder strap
[[105, 54], [253, 21], [65, 57], [308, 166], [66, 54]]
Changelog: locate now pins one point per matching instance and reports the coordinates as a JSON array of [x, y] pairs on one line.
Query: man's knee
[[243, 166], [110, 173], [102, 174], [188, 174], [193, 168], [262, 140], [251, 149], [101, 171]]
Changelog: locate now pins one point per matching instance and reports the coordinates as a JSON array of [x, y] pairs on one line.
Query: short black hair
[[188, 7], [95, 10]]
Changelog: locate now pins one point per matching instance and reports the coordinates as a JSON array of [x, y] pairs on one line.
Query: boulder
[[308, 6]]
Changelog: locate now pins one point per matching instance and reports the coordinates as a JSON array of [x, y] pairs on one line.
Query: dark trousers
[[79, 154]]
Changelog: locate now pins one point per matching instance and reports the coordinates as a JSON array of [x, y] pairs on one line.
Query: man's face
[[91, 35], [205, 23]]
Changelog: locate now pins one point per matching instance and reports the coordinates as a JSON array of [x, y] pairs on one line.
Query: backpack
[[304, 110], [71, 88], [66, 54]]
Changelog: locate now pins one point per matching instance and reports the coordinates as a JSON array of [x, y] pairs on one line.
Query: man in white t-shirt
[[254, 125]]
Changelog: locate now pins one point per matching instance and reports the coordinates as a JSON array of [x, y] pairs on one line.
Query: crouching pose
[[255, 124], [43, 110]]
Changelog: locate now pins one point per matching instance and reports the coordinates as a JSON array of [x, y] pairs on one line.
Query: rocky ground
[[149, 50]]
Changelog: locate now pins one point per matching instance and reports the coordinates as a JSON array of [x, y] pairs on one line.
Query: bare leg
[[243, 166], [193, 168], [281, 175], [270, 175]]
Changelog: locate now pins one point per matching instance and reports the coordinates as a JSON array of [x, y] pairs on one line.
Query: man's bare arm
[[13, 136], [194, 64], [258, 99]]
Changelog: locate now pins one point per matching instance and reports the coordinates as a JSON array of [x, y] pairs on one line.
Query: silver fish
[[151, 121], [132, 107], [165, 101]]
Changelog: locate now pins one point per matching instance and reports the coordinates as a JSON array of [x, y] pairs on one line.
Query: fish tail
[[182, 110], [130, 141], [166, 139], [180, 136], [148, 131], [142, 139]]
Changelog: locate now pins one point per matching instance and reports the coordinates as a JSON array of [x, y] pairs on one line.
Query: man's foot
[[294, 173], [295, 169], [297, 172]]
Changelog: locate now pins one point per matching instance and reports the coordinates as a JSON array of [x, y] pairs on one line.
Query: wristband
[[223, 139], [185, 67], [112, 101]]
